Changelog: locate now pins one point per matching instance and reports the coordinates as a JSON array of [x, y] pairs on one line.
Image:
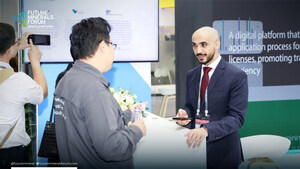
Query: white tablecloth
[[165, 146]]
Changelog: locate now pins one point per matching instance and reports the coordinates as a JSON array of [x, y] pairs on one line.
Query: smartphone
[[182, 118], [39, 39]]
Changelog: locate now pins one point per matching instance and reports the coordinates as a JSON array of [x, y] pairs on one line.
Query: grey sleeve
[[127, 116], [111, 139]]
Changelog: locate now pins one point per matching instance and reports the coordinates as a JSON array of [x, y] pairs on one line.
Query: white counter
[[165, 146]]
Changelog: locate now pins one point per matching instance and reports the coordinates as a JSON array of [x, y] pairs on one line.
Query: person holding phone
[[217, 100], [16, 90]]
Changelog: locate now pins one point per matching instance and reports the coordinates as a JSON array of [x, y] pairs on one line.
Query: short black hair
[[7, 37], [86, 36]]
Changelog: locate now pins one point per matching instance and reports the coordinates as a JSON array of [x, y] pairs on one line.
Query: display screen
[[39, 39], [265, 44], [134, 26]]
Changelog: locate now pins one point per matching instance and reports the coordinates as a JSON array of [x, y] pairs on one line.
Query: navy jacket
[[227, 106]]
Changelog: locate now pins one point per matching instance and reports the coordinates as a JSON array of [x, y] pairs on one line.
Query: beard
[[209, 58]]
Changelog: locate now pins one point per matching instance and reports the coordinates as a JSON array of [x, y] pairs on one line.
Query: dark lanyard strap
[[51, 115]]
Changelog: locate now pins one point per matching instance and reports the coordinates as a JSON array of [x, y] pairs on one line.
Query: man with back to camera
[[16, 90], [91, 128], [225, 99]]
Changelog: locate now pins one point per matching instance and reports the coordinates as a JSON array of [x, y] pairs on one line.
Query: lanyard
[[205, 99]]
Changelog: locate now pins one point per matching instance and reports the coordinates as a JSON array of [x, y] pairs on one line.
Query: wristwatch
[[204, 127]]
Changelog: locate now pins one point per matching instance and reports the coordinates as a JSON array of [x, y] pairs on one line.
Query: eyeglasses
[[113, 44], [17, 41]]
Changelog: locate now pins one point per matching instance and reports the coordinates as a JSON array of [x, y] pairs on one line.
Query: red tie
[[204, 82]]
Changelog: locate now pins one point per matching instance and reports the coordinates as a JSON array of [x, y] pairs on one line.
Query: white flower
[[123, 107], [124, 98], [112, 90], [129, 100]]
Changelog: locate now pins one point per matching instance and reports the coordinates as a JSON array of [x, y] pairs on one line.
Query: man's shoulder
[[23, 77], [76, 85], [232, 68], [194, 70], [233, 72]]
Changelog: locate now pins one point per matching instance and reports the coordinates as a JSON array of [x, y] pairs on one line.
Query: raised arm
[[35, 55]]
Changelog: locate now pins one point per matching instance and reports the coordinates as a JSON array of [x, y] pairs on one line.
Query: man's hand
[[34, 54], [140, 124], [196, 137], [182, 114], [23, 43]]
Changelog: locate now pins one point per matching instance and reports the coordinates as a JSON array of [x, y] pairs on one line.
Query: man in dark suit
[[223, 104]]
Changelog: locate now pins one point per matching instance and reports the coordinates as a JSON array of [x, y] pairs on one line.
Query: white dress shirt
[[213, 67], [16, 91]]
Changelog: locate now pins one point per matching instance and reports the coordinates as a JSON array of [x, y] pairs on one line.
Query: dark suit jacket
[[227, 106]]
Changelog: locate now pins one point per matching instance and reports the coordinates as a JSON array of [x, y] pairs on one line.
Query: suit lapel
[[217, 74], [196, 80]]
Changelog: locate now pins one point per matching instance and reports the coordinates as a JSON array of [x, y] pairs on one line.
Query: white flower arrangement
[[124, 98]]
